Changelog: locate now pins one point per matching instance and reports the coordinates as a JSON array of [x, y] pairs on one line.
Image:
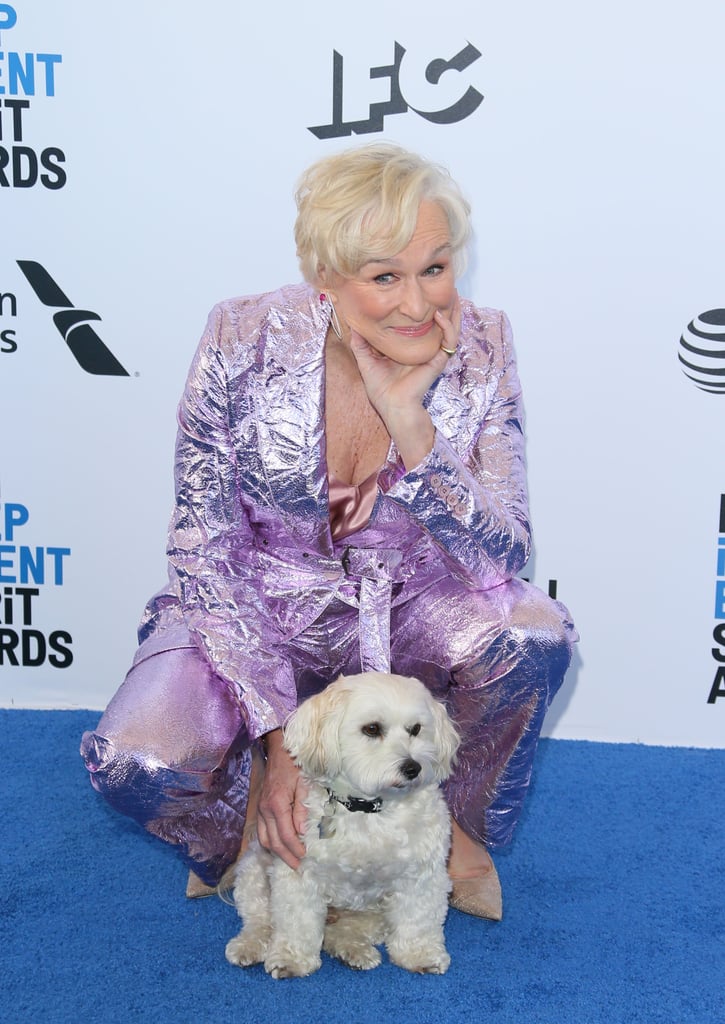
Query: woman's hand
[[281, 814], [450, 324], [396, 390]]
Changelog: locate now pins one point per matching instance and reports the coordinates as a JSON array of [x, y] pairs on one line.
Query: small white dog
[[373, 749]]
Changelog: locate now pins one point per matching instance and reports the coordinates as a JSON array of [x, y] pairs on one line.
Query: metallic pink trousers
[[172, 750]]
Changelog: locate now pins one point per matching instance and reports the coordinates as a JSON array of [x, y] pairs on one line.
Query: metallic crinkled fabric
[[265, 607]]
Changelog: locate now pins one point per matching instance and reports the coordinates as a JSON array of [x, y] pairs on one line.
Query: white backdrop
[[170, 140]]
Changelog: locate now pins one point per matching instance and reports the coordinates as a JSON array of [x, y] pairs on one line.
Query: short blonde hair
[[362, 204]]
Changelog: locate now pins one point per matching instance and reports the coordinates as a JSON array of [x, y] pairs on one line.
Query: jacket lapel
[[290, 415]]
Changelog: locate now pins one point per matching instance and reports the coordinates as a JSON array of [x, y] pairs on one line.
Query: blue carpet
[[613, 888]]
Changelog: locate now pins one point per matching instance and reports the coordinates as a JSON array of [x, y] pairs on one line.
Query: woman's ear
[[321, 279], [325, 281]]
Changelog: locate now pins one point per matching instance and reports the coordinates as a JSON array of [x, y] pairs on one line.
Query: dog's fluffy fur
[[384, 873]]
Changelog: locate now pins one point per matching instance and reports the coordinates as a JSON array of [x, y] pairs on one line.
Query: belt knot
[[372, 563]]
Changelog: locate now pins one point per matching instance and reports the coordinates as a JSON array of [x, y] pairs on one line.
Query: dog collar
[[356, 803]]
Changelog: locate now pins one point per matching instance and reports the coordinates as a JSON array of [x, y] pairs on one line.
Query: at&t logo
[[702, 351]]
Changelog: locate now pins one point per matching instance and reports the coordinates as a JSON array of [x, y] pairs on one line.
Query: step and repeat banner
[[148, 158]]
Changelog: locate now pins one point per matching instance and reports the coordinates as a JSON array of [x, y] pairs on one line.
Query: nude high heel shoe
[[476, 886], [480, 897]]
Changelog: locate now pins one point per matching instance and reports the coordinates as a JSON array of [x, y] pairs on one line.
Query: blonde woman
[[351, 495]]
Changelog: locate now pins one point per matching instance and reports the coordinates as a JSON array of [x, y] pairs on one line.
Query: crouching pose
[[350, 496]]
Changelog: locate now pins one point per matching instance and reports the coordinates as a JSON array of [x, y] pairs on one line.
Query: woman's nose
[[413, 302]]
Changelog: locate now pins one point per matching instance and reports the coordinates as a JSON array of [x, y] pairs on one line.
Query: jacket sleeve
[[210, 547], [470, 491]]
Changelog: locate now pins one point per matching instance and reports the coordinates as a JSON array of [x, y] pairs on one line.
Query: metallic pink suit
[[265, 607]]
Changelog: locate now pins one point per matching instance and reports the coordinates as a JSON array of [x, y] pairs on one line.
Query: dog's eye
[[414, 729], [373, 729]]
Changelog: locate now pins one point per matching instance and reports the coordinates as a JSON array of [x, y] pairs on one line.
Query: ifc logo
[[702, 351]]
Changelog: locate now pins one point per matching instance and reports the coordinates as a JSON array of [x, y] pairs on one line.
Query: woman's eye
[[383, 279], [436, 268], [414, 729], [372, 729]]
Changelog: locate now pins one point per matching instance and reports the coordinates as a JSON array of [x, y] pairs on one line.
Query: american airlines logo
[[74, 324]]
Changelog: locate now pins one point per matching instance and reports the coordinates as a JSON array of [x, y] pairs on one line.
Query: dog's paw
[[351, 937], [361, 956], [431, 962], [362, 959], [245, 949], [285, 967]]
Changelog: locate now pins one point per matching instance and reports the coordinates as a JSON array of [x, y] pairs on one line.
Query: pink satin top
[[351, 505]]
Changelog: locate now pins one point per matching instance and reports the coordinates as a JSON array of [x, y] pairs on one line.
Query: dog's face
[[372, 734]]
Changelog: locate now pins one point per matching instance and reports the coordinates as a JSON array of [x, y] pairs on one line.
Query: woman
[[350, 496]]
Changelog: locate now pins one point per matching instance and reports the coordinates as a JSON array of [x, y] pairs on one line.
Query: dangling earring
[[334, 321]]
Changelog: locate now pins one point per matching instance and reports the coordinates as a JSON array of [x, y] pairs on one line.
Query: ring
[[448, 351]]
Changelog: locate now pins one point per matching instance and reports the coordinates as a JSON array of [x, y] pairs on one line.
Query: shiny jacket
[[252, 561]]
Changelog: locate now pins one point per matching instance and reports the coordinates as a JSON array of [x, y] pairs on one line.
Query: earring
[[334, 320]]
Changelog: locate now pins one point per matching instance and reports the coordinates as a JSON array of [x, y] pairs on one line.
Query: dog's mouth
[[399, 777], [396, 785]]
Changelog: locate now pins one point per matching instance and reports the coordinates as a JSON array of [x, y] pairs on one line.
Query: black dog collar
[[356, 803]]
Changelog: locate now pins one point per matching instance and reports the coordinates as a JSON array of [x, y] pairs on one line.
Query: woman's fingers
[[282, 836], [277, 833], [282, 814], [450, 325]]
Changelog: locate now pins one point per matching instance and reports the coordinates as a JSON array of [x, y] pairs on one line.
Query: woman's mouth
[[414, 332]]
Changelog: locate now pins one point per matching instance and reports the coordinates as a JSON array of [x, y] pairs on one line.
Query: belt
[[372, 570], [376, 569]]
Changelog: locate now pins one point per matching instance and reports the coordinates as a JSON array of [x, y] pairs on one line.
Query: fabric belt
[[376, 569], [372, 570]]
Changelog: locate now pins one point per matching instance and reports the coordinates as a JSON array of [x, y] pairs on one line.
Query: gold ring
[[448, 351]]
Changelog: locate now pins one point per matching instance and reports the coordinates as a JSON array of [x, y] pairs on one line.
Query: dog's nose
[[410, 769]]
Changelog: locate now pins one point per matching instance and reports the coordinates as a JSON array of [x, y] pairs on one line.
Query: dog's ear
[[311, 733], [447, 740]]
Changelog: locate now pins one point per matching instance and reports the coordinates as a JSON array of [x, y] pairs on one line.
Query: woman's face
[[391, 301]]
